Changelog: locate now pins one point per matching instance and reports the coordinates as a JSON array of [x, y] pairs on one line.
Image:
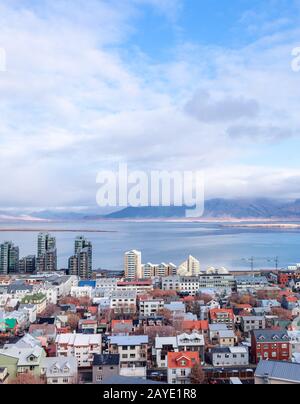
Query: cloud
[[77, 98], [202, 107]]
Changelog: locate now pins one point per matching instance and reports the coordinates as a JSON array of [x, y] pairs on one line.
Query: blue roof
[[130, 340], [287, 371], [82, 284]]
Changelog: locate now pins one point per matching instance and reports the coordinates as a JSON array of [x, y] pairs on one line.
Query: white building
[[141, 287], [80, 346], [133, 265], [160, 271], [123, 302], [107, 286], [150, 307], [81, 292], [59, 370], [190, 267], [133, 354]]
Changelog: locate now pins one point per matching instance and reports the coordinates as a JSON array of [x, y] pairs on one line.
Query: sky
[[157, 84]]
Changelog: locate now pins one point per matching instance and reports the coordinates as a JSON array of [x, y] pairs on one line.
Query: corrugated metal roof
[[279, 370]]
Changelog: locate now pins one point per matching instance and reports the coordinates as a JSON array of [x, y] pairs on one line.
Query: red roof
[[291, 299], [116, 323], [199, 325], [93, 310], [182, 360], [214, 313]]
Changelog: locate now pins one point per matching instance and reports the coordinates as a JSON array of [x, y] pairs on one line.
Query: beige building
[[133, 265], [190, 267]]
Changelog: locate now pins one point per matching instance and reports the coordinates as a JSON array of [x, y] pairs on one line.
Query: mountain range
[[214, 209]]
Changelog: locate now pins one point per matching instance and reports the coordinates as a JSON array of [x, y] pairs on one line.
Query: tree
[[50, 311], [70, 300], [27, 378], [204, 297], [73, 320], [166, 314], [85, 302], [282, 314], [197, 374]]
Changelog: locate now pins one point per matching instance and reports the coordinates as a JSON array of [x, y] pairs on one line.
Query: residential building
[[121, 327], [82, 291], [246, 283], [81, 263], [38, 299], [277, 372], [160, 271], [190, 267], [229, 357], [46, 253], [105, 367], [162, 346], [222, 316], [80, 346], [226, 338], [191, 343], [123, 302], [250, 323], [60, 370], [27, 265], [214, 332], [295, 341], [149, 307], [19, 360], [133, 265], [270, 345], [180, 365], [9, 258], [133, 354], [141, 287]]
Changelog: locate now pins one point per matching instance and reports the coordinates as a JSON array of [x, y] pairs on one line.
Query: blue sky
[[159, 84]]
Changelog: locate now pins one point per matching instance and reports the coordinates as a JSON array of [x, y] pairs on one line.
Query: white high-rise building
[[133, 265], [190, 267]]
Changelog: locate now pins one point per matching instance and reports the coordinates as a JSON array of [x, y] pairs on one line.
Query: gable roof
[[174, 359], [271, 336]]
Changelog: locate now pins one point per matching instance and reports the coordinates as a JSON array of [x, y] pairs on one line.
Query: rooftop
[[287, 371], [106, 359]]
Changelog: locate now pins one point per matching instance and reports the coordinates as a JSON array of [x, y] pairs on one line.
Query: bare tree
[[27, 378], [197, 374]]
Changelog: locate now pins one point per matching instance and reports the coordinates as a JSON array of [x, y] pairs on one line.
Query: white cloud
[[71, 104]]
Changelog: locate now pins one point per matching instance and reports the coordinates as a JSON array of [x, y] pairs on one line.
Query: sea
[[212, 243]]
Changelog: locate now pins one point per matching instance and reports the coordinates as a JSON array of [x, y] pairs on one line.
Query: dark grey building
[[105, 366], [27, 264], [47, 253], [9, 258]]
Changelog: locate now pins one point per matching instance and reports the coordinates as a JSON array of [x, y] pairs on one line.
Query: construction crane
[[252, 261]]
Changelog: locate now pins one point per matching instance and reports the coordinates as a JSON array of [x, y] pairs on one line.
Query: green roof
[[10, 323], [34, 298]]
